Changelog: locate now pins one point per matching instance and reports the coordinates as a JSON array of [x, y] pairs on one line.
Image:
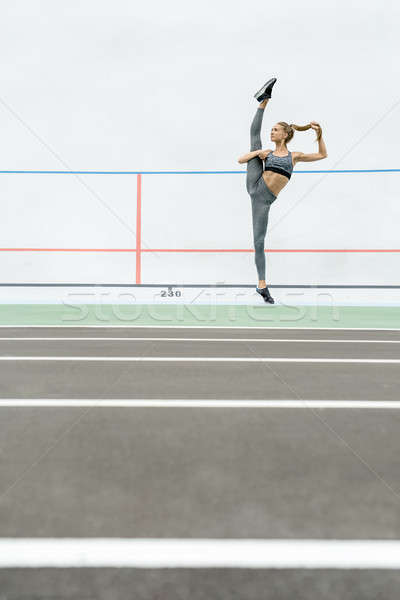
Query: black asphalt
[[199, 472], [201, 349], [193, 584], [201, 332], [211, 380], [185, 380]]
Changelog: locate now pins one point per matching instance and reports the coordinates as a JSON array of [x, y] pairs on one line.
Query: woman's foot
[[265, 91], [264, 292]]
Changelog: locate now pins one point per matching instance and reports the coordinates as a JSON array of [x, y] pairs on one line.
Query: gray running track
[[236, 380], [199, 472]]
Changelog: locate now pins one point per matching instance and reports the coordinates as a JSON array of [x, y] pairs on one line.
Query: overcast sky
[[94, 84]]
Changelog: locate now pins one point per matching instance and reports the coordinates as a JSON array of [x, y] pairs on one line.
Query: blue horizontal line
[[200, 285], [190, 172]]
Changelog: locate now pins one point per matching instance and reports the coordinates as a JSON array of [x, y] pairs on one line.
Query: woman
[[269, 171]]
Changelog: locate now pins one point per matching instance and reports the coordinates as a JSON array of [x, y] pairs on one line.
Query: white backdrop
[[122, 85]]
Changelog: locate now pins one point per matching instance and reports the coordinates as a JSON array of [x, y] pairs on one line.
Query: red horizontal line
[[67, 250], [198, 250]]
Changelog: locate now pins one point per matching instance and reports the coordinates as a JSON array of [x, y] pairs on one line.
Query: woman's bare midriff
[[274, 181]]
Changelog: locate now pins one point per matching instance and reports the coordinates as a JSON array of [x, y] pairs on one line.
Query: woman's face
[[277, 133]]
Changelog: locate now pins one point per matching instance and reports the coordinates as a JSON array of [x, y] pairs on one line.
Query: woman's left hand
[[314, 125]]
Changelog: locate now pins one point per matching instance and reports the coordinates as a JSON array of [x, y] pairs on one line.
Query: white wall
[[95, 85]]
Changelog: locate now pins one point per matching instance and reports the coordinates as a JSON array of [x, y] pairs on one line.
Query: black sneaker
[[265, 91], [264, 292]]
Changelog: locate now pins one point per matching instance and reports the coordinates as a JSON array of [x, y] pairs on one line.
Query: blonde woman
[[268, 171]]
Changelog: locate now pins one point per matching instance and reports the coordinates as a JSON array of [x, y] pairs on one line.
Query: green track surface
[[201, 315]]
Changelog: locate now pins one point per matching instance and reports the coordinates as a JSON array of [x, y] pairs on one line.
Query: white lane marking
[[206, 403], [199, 359], [198, 553], [265, 327], [173, 339]]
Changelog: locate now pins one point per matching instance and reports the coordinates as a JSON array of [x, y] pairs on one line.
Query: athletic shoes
[[264, 292], [265, 91]]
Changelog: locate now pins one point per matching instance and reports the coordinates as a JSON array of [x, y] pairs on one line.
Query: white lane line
[[173, 339], [198, 359], [198, 553], [206, 403], [265, 327]]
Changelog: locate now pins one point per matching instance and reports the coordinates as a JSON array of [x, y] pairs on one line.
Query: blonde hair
[[289, 129]]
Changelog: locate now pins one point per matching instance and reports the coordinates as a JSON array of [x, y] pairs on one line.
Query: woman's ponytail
[[289, 129], [304, 128]]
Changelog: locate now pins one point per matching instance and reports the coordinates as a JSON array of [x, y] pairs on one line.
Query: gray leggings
[[261, 196]]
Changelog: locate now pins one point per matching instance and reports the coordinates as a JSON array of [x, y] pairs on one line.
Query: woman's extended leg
[[255, 165]]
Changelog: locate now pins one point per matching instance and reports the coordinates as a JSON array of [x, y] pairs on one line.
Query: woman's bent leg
[[255, 165], [260, 211]]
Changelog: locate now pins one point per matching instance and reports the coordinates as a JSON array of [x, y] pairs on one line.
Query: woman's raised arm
[[322, 153]]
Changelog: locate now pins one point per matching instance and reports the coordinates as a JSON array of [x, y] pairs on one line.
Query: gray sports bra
[[279, 164]]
